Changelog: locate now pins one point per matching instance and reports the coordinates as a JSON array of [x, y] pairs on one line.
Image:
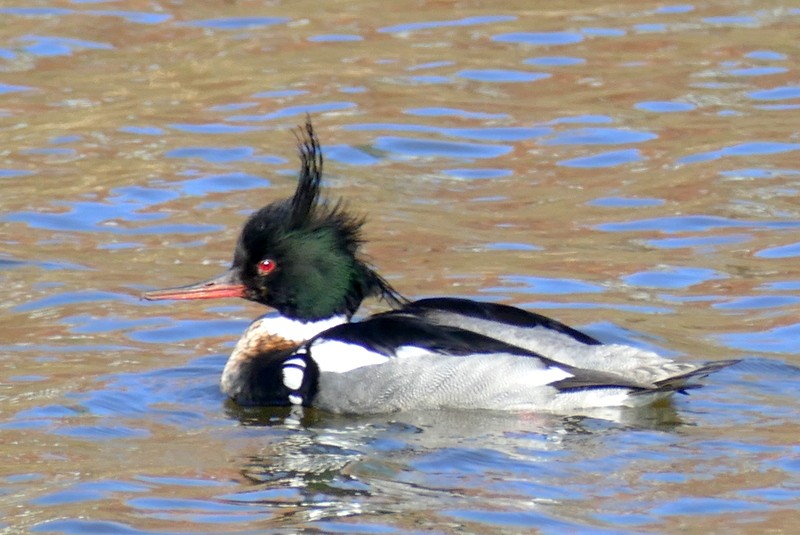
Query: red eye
[[266, 266]]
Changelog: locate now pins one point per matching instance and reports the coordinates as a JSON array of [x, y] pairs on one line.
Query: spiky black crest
[[306, 196], [315, 244]]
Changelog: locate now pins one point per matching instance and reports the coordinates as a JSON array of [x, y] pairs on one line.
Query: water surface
[[628, 168]]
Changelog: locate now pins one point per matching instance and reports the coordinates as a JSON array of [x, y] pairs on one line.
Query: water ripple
[[212, 154], [784, 251], [234, 23], [477, 174], [136, 17], [335, 38], [766, 55], [36, 11], [692, 223], [71, 298], [754, 148], [427, 148], [428, 25], [454, 112], [756, 71], [213, 128], [48, 46], [526, 284], [777, 93], [605, 159], [599, 136], [703, 242], [673, 277], [501, 75], [678, 8], [540, 38], [665, 106], [295, 111], [554, 61], [625, 202], [7, 88]]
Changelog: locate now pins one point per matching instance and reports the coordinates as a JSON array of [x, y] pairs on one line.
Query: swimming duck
[[300, 257]]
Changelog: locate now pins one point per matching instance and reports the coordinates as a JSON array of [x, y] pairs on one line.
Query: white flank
[[297, 330], [295, 400], [293, 378]]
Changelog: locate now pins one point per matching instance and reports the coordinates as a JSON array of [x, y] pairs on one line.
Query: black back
[[496, 312]]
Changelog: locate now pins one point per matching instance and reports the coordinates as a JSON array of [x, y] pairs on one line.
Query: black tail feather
[[678, 383]]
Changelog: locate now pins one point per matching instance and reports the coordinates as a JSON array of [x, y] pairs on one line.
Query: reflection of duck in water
[[300, 257]]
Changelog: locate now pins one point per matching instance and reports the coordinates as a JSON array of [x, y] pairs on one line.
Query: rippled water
[[627, 167]]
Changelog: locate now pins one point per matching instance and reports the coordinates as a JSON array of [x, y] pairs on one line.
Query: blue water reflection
[[678, 8], [213, 128], [294, 111], [693, 223], [766, 55], [625, 202], [335, 38], [237, 23], [554, 61], [526, 284], [427, 25], [756, 71], [673, 277], [143, 130], [35, 11], [8, 88], [477, 174], [501, 75], [776, 93], [212, 154], [703, 242], [754, 148], [599, 136], [665, 107], [605, 159], [454, 112], [784, 251], [540, 38], [432, 148]]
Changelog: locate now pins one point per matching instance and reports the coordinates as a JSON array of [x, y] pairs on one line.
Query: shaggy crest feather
[[316, 242]]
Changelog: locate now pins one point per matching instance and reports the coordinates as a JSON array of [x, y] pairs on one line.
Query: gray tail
[[680, 383]]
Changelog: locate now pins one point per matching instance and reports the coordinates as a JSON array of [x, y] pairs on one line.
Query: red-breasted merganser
[[300, 256]]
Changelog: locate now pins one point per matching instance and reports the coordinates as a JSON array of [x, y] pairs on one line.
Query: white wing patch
[[293, 377], [340, 357]]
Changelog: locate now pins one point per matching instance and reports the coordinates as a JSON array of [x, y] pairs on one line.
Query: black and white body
[[300, 256]]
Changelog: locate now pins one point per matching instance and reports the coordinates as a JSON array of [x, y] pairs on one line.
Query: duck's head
[[298, 255]]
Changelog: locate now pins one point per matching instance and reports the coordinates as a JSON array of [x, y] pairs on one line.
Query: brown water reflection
[[627, 167]]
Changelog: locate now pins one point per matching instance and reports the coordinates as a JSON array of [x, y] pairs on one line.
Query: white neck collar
[[297, 330]]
